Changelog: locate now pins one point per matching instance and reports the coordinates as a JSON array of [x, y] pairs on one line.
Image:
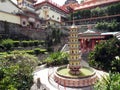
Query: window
[[72, 57], [47, 15], [48, 23], [72, 51], [76, 57], [24, 22], [52, 16]]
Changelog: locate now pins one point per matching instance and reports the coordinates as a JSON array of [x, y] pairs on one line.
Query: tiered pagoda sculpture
[[74, 58], [72, 75]]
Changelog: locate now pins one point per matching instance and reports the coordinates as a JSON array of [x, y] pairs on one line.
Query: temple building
[[23, 13], [8, 13], [29, 18], [74, 58], [51, 12], [90, 38], [30, 15], [92, 16], [89, 4]]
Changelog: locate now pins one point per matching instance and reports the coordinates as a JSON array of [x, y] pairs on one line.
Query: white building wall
[[40, 13], [50, 14], [9, 18], [7, 6], [54, 16]]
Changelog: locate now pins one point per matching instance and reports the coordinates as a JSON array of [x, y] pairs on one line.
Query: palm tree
[[111, 82]]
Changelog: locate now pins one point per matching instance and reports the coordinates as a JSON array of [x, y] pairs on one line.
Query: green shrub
[[31, 43], [30, 52], [16, 43], [42, 42], [16, 71], [36, 42], [37, 51], [111, 82], [43, 51], [7, 43], [25, 43], [58, 58], [103, 55]]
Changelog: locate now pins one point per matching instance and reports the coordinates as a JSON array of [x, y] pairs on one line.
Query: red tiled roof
[[53, 4], [70, 5], [76, 6], [88, 4], [93, 3]]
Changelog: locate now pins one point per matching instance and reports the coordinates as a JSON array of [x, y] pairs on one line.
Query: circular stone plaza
[[77, 75], [47, 77]]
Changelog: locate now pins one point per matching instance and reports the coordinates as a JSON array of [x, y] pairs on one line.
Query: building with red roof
[[51, 12]]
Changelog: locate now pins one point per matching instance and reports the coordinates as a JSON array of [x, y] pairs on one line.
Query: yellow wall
[[9, 18]]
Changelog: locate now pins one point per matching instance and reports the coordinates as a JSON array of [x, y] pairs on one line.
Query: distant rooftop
[[52, 3], [70, 1], [92, 3]]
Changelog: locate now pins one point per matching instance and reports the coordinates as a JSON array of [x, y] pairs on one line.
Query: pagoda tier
[[74, 55]]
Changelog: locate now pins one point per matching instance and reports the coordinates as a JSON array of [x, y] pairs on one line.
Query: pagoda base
[[62, 77], [74, 70]]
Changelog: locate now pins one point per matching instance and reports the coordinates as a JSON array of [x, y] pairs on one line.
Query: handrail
[[96, 18]]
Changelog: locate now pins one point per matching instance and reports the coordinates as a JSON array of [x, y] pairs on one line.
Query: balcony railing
[[92, 20]]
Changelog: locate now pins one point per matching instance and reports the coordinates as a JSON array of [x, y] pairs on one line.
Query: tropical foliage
[[54, 37], [111, 82], [97, 12], [7, 44], [103, 56], [109, 26], [16, 71], [57, 58]]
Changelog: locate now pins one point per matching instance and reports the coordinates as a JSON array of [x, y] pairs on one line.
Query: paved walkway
[[49, 84]]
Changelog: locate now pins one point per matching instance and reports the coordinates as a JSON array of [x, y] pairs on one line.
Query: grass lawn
[[83, 72]]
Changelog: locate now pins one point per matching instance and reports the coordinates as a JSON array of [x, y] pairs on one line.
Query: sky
[[59, 2]]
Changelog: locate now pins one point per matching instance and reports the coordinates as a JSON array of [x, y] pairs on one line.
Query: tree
[[109, 26], [16, 71], [53, 38], [104, 54], [116, 64]]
